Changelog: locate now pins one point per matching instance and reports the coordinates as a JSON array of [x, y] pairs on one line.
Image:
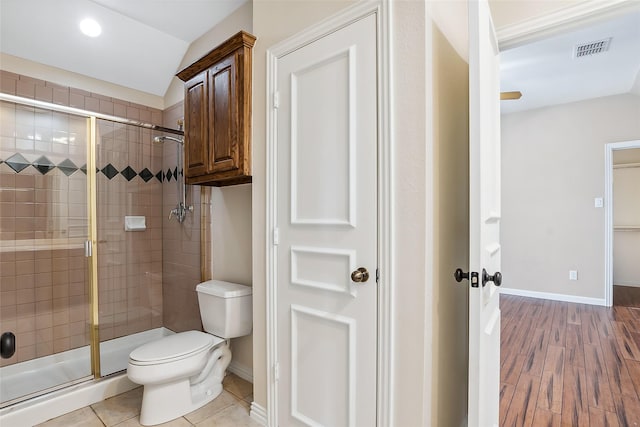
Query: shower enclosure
[[77, 290]]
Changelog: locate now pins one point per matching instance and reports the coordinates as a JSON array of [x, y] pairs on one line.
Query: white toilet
[[182, 372]]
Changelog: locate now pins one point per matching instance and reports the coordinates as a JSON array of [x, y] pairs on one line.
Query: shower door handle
[[7, 345]]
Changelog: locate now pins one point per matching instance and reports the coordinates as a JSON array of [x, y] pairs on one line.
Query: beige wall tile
[[43, 93], [61, 96], [76, 100], [26, 310], [25, 296]]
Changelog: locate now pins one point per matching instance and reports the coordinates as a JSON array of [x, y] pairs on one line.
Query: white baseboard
[[552, 296], [241, 371], [258, 413]]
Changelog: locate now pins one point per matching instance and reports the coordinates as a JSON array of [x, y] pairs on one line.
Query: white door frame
[[608, 215], [523, 32], [385, 198]]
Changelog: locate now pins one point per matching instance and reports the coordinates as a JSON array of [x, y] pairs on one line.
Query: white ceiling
[[142, 41], [547, 73]]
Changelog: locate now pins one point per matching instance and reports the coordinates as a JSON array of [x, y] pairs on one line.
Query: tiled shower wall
[[129, 263], [43, 286], [181, 245]]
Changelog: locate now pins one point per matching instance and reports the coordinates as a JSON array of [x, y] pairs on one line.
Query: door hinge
[[276, 99], [276, 371], [88, 248], [276, 236], [377, 275]]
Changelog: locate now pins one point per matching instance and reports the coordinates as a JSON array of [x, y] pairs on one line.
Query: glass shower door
[[129, 188], [44, 292]]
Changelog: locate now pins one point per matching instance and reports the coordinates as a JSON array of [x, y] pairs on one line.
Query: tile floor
[[230, 409]]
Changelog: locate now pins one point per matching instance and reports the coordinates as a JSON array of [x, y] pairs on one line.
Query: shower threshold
[[24, 380]]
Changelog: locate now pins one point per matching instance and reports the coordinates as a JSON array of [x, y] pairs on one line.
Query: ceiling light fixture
[[90, 27]]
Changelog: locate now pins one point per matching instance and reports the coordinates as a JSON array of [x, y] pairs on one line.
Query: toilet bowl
[[183, 372]]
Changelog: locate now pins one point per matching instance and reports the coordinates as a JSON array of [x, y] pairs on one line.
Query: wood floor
[[566, 364], [628, 296]]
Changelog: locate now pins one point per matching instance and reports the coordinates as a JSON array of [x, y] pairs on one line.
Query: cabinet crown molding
[[240, 39]]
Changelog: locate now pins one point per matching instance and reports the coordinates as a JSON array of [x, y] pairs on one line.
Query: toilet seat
[[173, 347]]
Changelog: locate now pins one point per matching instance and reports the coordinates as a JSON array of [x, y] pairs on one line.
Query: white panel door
[[484, 217], [327, 229]]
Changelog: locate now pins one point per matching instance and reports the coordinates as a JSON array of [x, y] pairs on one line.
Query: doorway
[[622, 236], [323, 260]]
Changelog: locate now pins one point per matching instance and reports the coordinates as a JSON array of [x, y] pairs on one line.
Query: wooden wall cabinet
[[217, 114]]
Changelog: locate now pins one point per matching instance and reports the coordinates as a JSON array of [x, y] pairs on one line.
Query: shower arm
[[181, 209]]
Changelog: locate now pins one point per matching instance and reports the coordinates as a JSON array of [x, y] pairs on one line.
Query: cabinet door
[[196, 141], [224, 153]]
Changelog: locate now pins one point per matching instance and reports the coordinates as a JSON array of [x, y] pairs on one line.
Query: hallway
[[567, 364]]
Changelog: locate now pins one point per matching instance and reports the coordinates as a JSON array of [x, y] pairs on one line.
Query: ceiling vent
[[591, 48]]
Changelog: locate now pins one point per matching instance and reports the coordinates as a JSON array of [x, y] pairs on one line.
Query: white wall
[[552, 169]]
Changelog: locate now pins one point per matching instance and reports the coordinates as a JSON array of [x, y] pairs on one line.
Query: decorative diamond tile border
[[18, 163], [128, 173], [43, 165], [68, 167], [109, 171], [146, 175]]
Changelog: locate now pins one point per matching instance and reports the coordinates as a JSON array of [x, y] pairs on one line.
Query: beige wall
[[77, 81], [231, 252], [552, 169], [508, 12], [631, 155], [411, 222], [448, 305]]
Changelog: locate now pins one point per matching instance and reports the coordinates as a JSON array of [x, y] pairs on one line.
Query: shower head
[[162, 139]]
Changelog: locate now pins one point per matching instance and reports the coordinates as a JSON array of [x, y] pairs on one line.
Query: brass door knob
[[360, 275]]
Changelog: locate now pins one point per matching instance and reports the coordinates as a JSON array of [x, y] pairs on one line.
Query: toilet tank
[[225, 308]]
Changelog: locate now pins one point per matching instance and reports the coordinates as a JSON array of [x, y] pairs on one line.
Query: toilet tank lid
[[223, 289]]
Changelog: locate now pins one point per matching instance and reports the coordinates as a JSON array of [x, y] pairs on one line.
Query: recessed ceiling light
[[90, 27]]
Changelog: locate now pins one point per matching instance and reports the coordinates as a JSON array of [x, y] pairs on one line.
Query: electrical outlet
[[573, 274]]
